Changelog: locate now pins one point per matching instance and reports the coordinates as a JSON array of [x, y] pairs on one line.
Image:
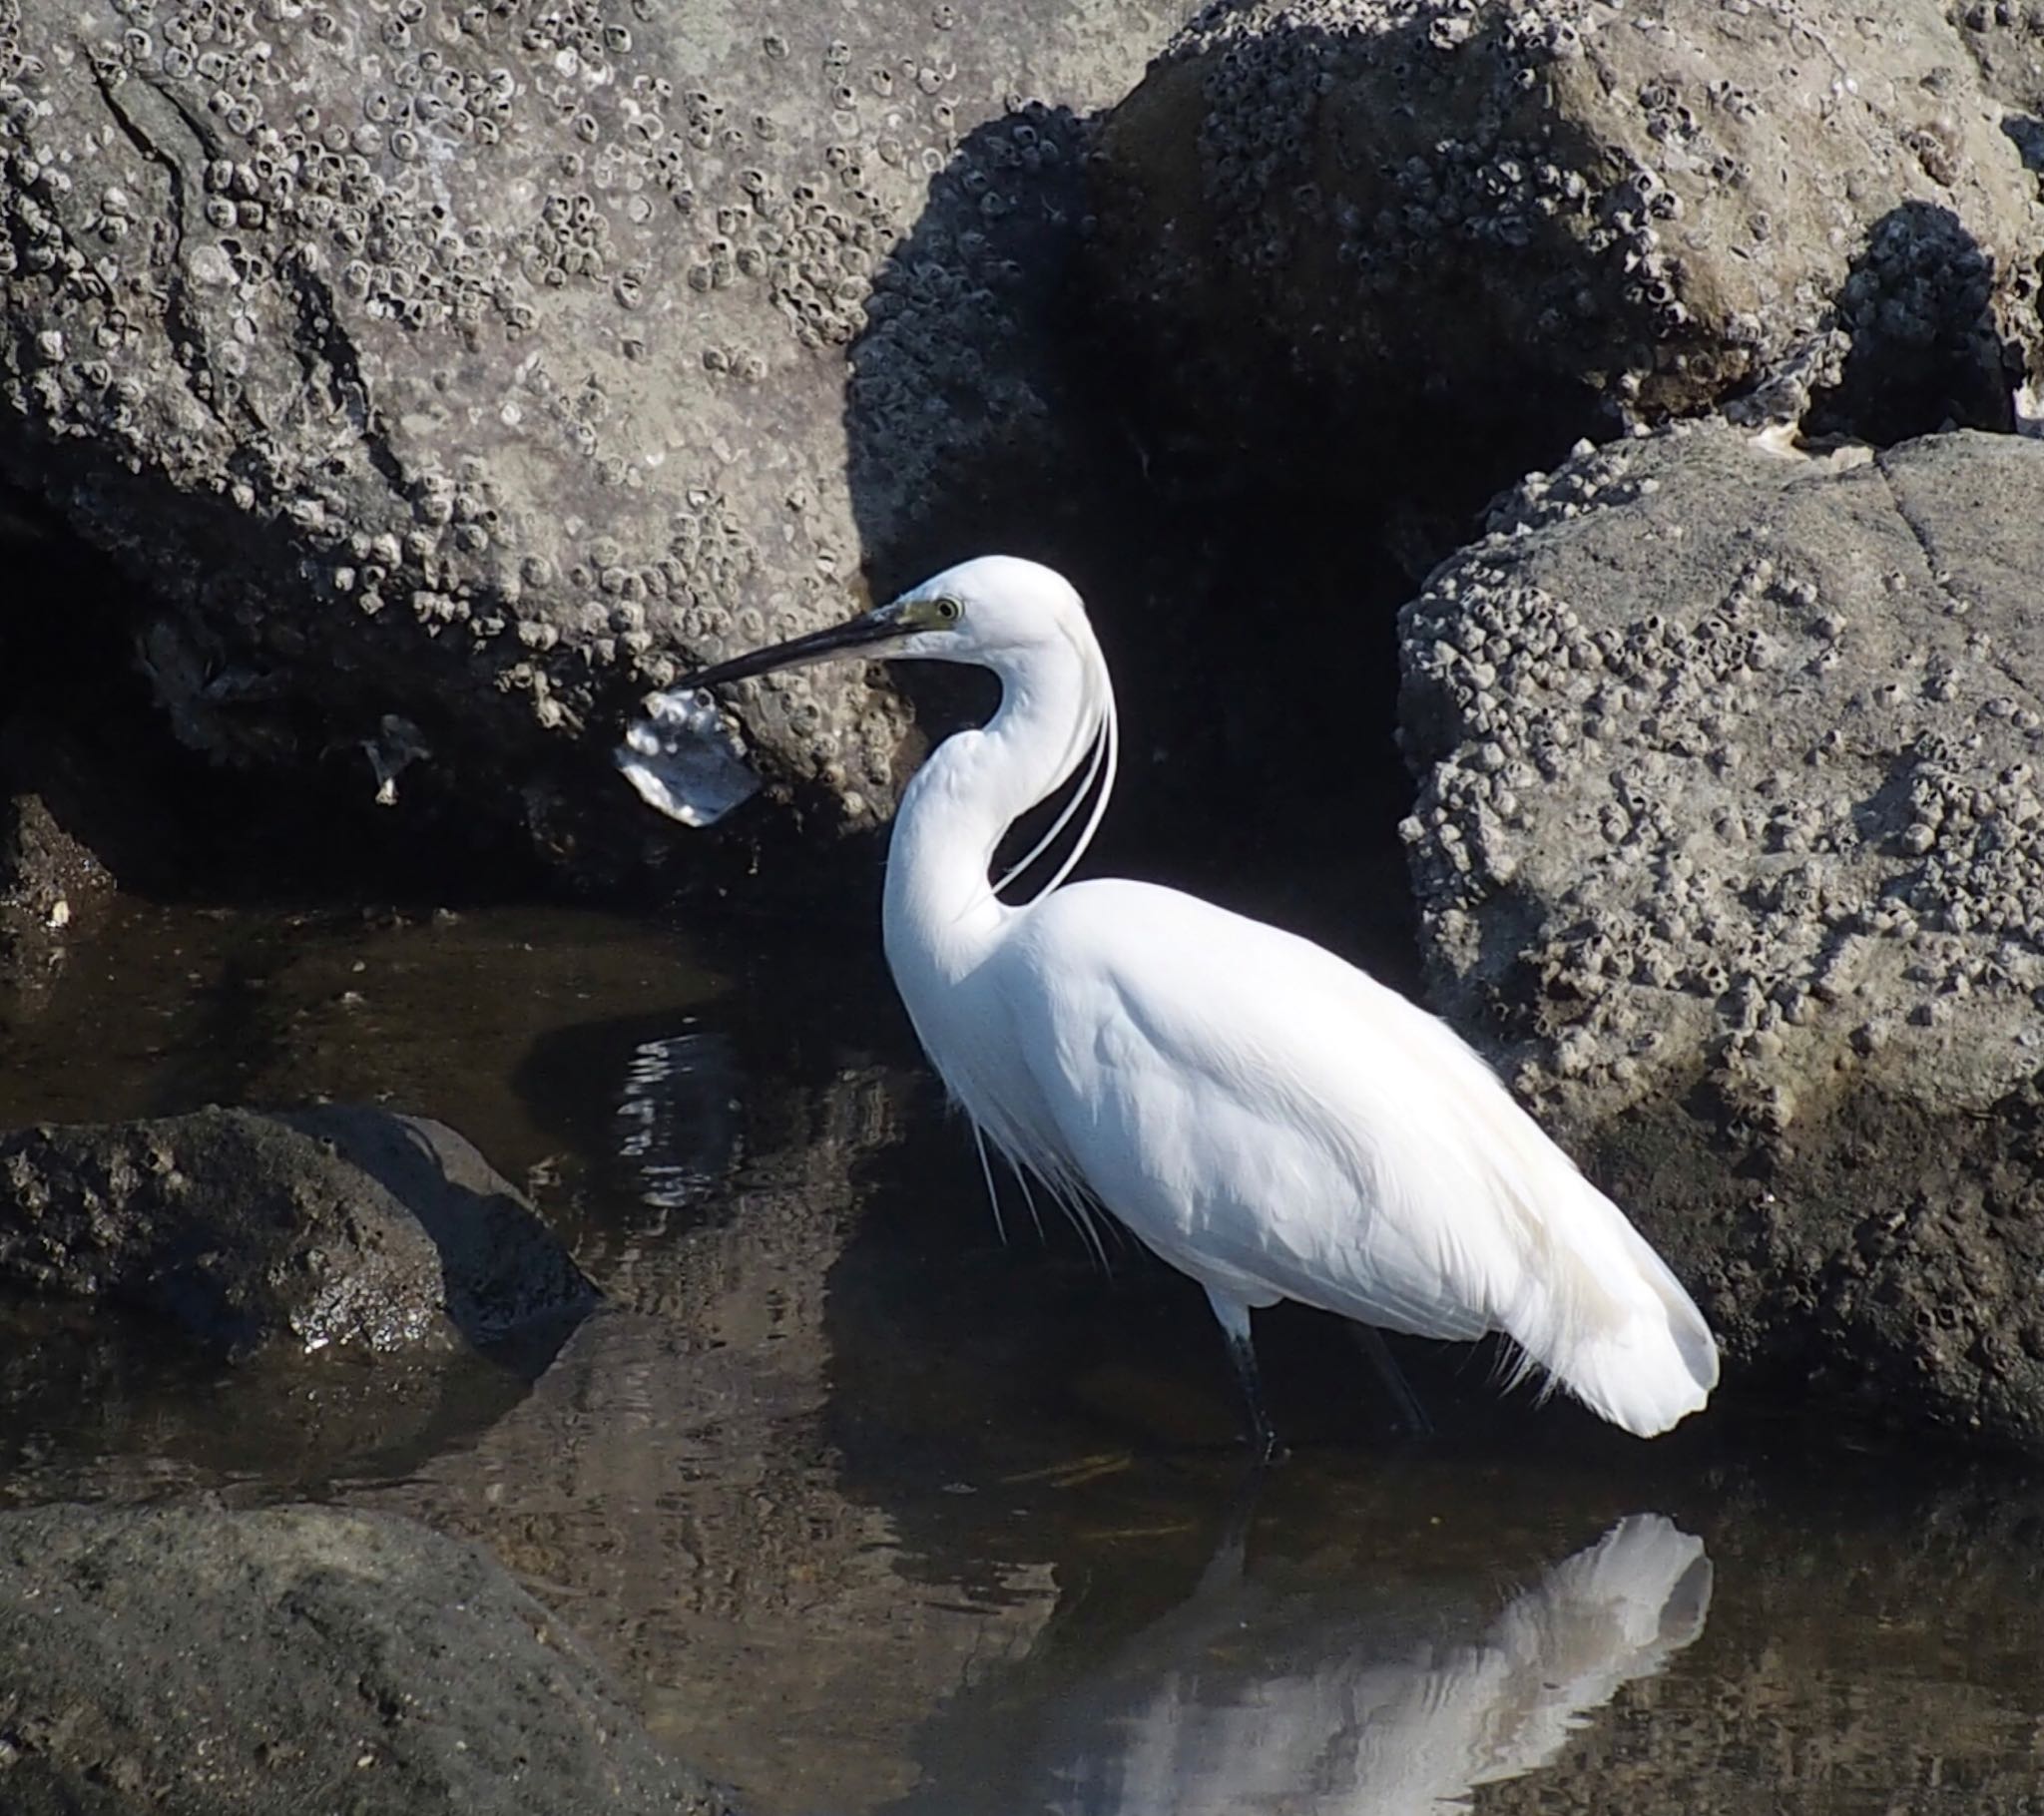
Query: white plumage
[[1260, 1113]]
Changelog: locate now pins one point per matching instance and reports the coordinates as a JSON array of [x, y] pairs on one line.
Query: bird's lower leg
[[1411, 1414], [1265, 1443]]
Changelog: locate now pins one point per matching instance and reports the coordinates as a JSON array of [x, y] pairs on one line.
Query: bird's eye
[[949, 610]]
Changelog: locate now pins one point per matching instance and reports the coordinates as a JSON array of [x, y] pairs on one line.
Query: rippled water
[[873, 1512]]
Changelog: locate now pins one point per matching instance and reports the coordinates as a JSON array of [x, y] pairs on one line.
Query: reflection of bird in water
[[675, 1119], [1264, 1115], [1242, 1704]]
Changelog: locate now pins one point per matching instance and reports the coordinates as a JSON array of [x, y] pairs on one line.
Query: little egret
[[1260, 1113]]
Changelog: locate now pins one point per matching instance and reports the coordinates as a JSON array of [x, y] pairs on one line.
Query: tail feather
[[1610, 1323], [1564, 1274]]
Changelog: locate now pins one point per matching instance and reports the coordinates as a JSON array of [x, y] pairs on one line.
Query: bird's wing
[[1254, 1109], [1279, 1125]]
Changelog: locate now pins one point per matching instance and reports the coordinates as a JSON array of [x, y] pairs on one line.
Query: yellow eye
[[949, 610]]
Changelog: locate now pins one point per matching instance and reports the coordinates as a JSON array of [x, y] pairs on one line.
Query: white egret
[[1260, 1113]]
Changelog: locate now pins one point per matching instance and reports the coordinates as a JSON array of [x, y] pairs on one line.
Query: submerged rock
[[1732, 776], [333, 1227], [302, 1658], [1436, 229], [451, 374]]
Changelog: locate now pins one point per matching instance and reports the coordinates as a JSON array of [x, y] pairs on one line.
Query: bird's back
[[1277, 1125]]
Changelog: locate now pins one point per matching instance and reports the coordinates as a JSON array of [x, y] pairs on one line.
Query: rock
[[1390, 240], [311, 1229], [43, 866], [48, 881], [2007, 42], [187, 1657], [1726, 842], [451, 375], [502, 1270]]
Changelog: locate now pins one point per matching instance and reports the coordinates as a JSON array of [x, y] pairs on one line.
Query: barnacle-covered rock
[[1728, 843], [453, 373], [330, 1229], [1477, 230]]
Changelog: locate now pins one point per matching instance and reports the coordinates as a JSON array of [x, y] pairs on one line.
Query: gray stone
[[1425, 223], [451, 376], [189, 1659], [322, 1228], [1726, 845]]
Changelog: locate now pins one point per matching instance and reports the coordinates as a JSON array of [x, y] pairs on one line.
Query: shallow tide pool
[[872, 1508]]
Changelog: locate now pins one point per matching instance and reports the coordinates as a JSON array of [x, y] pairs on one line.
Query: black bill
[[882, 625]]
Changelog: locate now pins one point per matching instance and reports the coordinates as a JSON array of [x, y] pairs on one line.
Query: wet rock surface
[[331, 1227], [449, 374], [189, 1657], [1465, 234], [1727, 843]]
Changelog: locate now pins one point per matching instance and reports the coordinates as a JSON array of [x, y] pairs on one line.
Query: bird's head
[[981, 611], [1017, 617]]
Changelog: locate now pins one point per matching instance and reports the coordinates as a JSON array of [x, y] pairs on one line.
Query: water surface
[[874, 1512]]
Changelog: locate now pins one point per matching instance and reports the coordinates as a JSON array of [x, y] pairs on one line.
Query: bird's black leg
[[1410, 1412], [1233, 1315], [1265, 1443]]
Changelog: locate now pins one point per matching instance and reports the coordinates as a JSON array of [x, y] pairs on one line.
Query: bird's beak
[[882, 625]]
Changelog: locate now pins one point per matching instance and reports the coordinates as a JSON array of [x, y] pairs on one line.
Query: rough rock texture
[[1428, 225], [1728, 840], [188, 1658], [448, 371], [2007, 42], [321, 1227]]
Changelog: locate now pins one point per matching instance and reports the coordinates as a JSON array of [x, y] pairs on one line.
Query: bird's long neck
[[941, 915]]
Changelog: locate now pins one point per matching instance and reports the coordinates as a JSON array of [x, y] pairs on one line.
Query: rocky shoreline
[[1638, 411]]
